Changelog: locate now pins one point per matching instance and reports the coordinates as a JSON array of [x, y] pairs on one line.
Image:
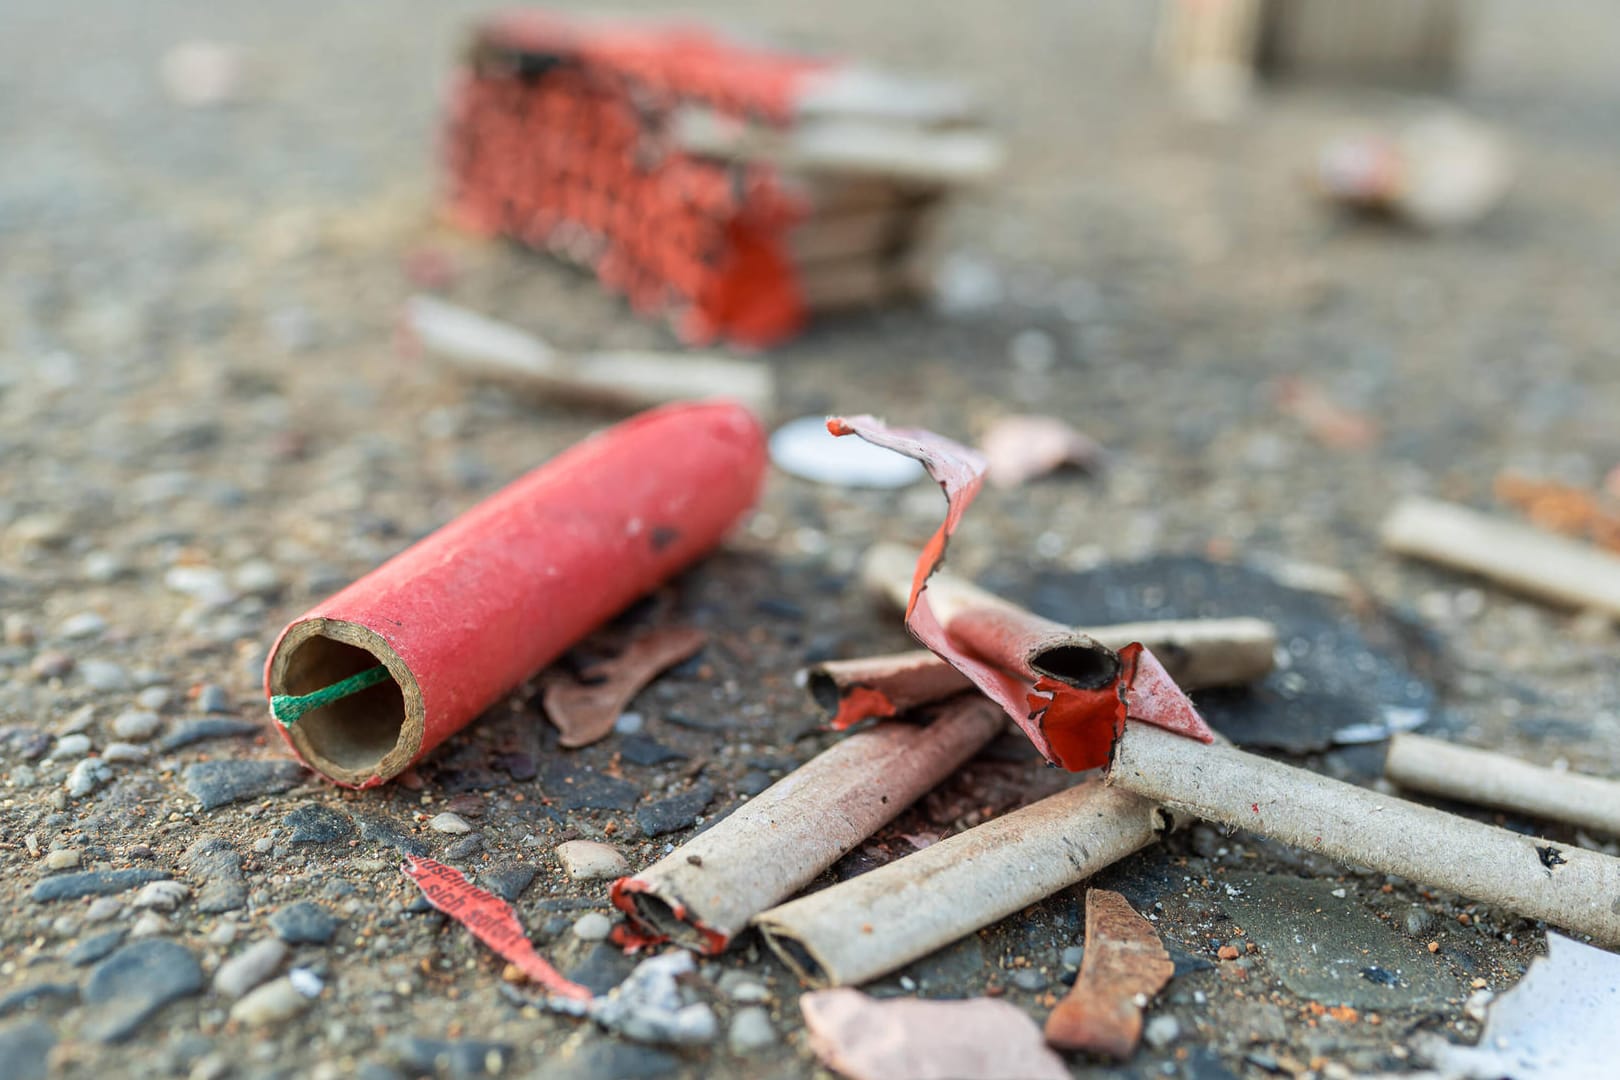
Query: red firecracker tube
[[471, 611]]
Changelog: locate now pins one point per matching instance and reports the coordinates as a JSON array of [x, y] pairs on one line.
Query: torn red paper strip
[[1124, 961], [490, 919], [585, 708], [881, 686], [1070, 695]]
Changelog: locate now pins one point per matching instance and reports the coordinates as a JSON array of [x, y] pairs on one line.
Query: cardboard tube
[[1567, 887], [870, 925], [703, 893], [1197, 653], [1520, 557], [461, 617], [1436, 767]]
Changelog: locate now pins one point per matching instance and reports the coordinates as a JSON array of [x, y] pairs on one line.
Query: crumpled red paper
[[1071, 726], [490, 919]]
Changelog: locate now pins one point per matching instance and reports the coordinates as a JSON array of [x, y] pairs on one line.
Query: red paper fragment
[[1124, 960], [490, 919], [584, 708], [1072, 722], [621, 895], [905, 1039]]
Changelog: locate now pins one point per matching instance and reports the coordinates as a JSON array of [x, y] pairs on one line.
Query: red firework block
[[563, 135], [463, 616]]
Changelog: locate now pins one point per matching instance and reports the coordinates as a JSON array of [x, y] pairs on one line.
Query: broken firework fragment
[[1125, 963], [489, 919], [1197, 653], [1068, 693], [864, 1038], [1518, 556], [703, 893], [1020, 448], [585, 708], [1530, 877], [677, 165], [498, 351], [463, 616], [870, 925], [1436, 767]]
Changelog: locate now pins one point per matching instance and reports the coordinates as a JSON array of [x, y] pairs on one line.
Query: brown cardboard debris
[[584, 708], [905, 1039], [1020, 448], [1124, 962], [1069, 694]]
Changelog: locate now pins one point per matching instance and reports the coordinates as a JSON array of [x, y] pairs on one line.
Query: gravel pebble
[[304, 922], [270, 1004], [218, 783], [61, 859], [86, 624], [1073, 955], [154, 697], [86, 776], [316, 823], [212, 861], [161, 895], [95, 948], [70, 746], [213, 698], [460, 1060], [104, 675], [136, 726], [593, 926], [1161, 1031], [50, 664], [132, 984], [589, 860], [1030, 980], [124, 753], [209, 727], [102, 909], [454, 824], [25, 1047], [676, 812], [249, 968], [751, 1031]]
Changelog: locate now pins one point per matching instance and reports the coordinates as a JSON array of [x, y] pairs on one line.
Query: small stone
[[468, 845], [604, 967], [593, 926], [316, 823], [213, 698], [209, 727], [1418, 921], [102, 909], [136, 726], [22, 998], [1227, 952], [222, 934], [249, 968], [1029, 980], [15, 629], [303, 923], [95, 948], [598, 1058], [86, 776], [589, 860], [1072, 956], [50, 664], [256, 576], [743, 988], [751, 1031], [103, 675], [576, 787], [218, 783], [124, 753], [86, 624], [70, 746], [25, 1048], [102, 567], [132, 984], [1161, 1031], [306, 982], [508, 880], [217, 865], [454, 824], [150, 924], [676, 812], [154, 697], [629, 723], [641, 750], [270, 1004], [380, 830], [62, 859], [161, 895]]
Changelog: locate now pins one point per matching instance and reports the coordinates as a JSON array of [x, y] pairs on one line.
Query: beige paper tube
[[870, 925], [703, 894], [1435, 767], [1567, 887], [1518, 556], [1197, 653]]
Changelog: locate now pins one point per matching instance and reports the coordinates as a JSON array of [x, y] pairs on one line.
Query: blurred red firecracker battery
[[373, 678], [731, 189]]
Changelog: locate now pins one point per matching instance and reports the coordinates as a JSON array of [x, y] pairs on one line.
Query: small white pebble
[[135, 725], [86, 776], [103, 908], [62, 859], [447, 822], [223, 934], [593, 926], [71, 746], [120, 753], [161, 895], [629, 723], [270, 1003], [589, 860], [150, 924], [306, 982]]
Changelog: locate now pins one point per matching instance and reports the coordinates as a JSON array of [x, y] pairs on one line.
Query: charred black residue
[[1550, 857]]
